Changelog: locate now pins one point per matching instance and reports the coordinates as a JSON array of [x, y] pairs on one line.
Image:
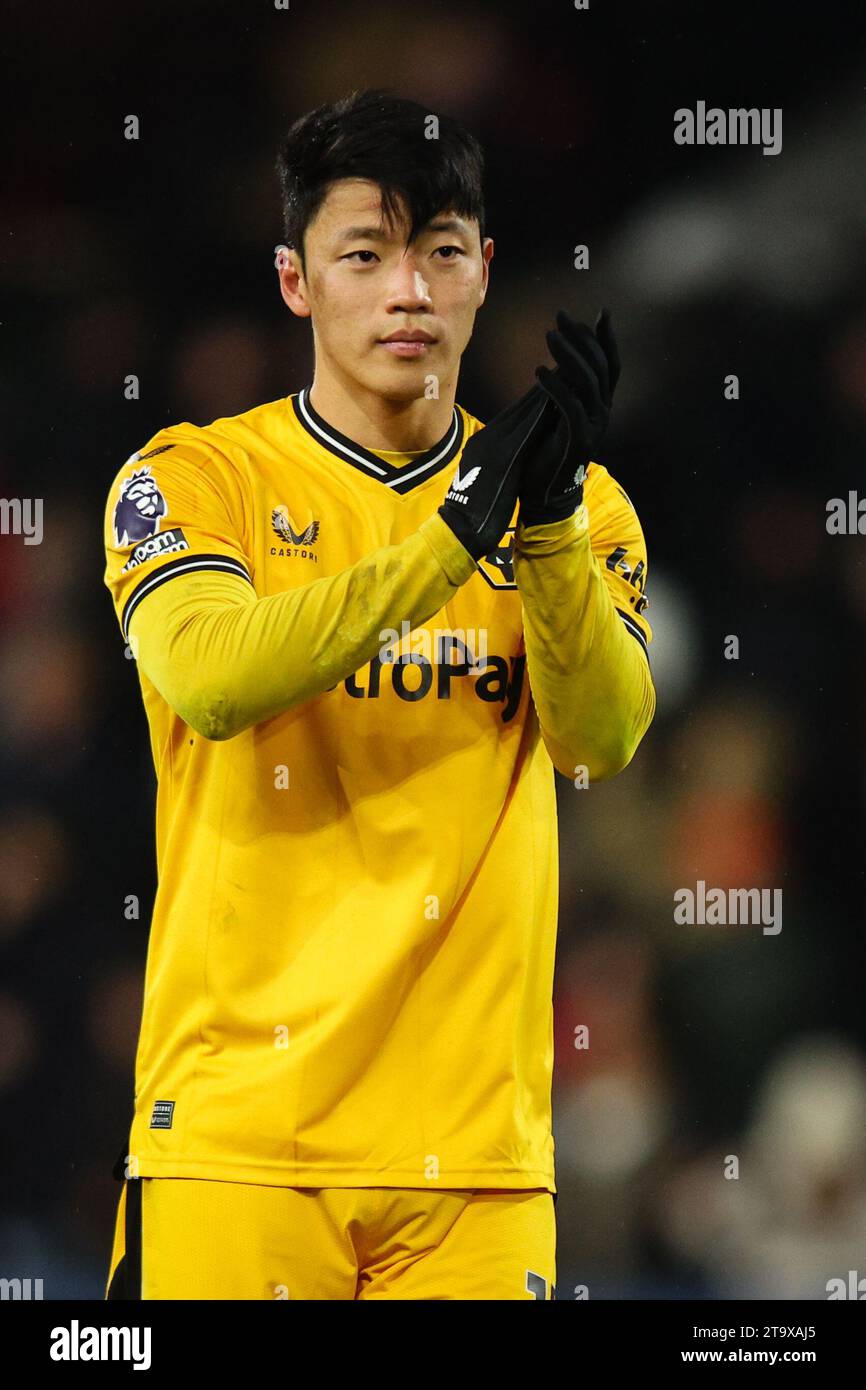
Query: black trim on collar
[[399, 477]]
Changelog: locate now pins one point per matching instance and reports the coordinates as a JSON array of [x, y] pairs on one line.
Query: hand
[[480, 501], [579, 398]]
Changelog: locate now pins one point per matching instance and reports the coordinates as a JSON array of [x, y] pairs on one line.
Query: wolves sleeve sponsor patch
[[166, 543]]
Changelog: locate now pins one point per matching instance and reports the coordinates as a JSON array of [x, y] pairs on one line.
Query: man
[[358, 681]]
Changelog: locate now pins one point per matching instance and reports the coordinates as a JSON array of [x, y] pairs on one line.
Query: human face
[[387, 317]]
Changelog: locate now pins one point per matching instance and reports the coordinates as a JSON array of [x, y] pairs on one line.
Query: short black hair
[[375, 135]]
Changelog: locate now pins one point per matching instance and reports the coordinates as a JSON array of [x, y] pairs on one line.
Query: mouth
[[407, 343]]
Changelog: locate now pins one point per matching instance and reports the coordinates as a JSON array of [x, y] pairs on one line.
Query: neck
[[382, 422]]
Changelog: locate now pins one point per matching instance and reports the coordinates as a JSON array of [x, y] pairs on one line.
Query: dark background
[[155, 257]]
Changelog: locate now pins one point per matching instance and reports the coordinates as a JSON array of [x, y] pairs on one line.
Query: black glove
[[579, 395], [480, 501]]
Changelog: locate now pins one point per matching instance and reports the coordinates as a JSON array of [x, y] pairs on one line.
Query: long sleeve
[[581, 582], [225, 659]]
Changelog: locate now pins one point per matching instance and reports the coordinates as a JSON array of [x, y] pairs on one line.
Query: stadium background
[[155, 257]]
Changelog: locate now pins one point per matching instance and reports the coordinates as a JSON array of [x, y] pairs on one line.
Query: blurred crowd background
[[155, 258]]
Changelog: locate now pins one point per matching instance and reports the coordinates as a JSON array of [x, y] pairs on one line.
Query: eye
[[458, 249], [350, 254]]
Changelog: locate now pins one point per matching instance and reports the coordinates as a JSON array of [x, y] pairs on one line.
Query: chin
[[402, 381]]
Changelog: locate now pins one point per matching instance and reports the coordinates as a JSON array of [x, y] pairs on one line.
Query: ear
[[486, 258], [293, 285]]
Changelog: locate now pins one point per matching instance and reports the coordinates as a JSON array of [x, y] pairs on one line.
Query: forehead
[[354, 203], [350, 196]]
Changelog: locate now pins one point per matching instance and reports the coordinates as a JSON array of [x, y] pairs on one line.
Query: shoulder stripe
[[635, 630], [185, 564]]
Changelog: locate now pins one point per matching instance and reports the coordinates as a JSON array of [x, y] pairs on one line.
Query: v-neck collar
[[399, 477]]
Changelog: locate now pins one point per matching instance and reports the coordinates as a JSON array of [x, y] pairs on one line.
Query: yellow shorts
[[186, 1238]]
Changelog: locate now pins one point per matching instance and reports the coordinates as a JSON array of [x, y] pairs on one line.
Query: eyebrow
[[440, 224], [447, 224]]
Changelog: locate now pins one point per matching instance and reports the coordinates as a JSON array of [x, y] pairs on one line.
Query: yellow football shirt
[[350, 967]]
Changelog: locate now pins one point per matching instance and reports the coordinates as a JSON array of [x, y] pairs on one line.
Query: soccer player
[[367, 629]]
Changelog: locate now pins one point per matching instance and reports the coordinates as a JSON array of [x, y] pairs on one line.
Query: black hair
[[381, 137]]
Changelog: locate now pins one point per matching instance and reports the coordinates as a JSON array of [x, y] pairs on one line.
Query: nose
[[408, 291]]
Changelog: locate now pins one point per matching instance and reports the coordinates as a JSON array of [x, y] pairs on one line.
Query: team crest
[[140, 507], [282, 524], [497, 565]]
